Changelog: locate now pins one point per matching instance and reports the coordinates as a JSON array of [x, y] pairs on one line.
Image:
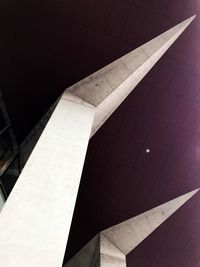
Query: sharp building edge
[[127, 235], [112, 245], [107, 88]]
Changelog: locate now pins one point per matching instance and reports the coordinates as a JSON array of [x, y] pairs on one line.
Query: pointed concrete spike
[[96, 87], [110, 247], [117, 80], [127, 235], [107, 88]]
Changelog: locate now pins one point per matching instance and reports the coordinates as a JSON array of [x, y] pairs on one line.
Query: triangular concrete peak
[[110, 247], [107, 88], [130, 233]]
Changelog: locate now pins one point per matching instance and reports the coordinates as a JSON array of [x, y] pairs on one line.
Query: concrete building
[[147, 153]]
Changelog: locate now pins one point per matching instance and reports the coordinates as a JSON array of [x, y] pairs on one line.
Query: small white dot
[[147, 150]]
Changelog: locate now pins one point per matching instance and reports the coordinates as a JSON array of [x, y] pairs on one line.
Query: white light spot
[[147, 150]]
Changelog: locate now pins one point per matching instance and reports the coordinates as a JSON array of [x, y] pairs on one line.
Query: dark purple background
[[47, 45]]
